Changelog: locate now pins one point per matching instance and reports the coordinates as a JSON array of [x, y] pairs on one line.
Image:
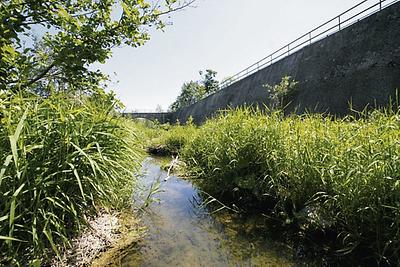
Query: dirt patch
[[131, 232], [105, 233]]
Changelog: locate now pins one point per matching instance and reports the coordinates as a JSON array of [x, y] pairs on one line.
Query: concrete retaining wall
[[360, 64]]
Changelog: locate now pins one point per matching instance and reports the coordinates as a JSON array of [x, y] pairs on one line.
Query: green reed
[[345, 172], [171, 138], [61, 157]]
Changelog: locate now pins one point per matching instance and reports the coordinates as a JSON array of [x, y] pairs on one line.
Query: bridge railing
[[338, 23], [145, 111]]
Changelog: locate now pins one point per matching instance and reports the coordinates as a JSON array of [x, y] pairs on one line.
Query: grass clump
[[61, 157], [170, 140], [328, 175]]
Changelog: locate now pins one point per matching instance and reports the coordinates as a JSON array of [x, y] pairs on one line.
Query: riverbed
[[182, 231]]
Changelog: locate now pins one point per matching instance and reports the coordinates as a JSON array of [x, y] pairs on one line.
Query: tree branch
[[39, 76], [32, 22], [183, 6]]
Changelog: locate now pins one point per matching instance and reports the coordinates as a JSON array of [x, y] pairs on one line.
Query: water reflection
[[183, 233]]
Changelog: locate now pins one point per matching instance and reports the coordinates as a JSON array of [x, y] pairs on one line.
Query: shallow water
[[182, 232]]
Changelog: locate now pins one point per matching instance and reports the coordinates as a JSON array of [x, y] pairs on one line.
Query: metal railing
[[338, 23]]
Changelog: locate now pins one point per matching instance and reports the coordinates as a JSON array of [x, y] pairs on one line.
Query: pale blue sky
[[223, 35]]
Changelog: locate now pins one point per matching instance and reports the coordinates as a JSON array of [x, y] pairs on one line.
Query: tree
[[211, 85], [77, 34], [193, 91]]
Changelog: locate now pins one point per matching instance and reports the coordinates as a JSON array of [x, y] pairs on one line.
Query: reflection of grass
[[248, 239], [215, 204]]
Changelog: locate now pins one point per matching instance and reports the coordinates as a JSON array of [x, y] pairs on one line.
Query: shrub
[[280, 94]]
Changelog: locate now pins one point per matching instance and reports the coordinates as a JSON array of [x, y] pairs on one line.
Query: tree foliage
[[191, 92], [73, 35], [210, 84], [279, 93], [194, 91]]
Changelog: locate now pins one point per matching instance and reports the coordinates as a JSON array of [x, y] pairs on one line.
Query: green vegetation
[[317, 173], [61, 157], [171, 140], [64, 150], [74, 35], [194, 91], [280, 94]]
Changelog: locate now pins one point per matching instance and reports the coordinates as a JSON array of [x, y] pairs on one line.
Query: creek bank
[[158, 150], [105, 233]]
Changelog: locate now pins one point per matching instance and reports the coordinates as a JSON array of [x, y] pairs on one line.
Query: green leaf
[[78, 179], [50, 238], [4, 167], [64, 14], [36, 263], [126, 9], [16, 193], [14, 138], [5, 217], [92, 163], [12, 209], [7, 238], [10, 50]]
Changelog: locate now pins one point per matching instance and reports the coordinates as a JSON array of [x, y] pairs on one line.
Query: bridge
[[161, 117], [352, 58]]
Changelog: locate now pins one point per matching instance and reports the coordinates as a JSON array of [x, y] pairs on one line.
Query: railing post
[[269, 59]]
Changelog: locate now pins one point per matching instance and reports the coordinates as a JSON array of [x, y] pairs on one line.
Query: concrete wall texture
[[360, 64]]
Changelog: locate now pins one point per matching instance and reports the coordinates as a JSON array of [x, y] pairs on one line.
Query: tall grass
[[60, 157], [343, 174], [169, 140]]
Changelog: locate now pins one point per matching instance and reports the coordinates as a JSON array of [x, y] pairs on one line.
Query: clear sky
[[223, 35]]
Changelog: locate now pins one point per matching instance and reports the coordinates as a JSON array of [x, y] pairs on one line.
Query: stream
[[184, 232]]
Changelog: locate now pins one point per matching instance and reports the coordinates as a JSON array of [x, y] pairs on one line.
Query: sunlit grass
[[346, 172], [170, 139], [60, 157]]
